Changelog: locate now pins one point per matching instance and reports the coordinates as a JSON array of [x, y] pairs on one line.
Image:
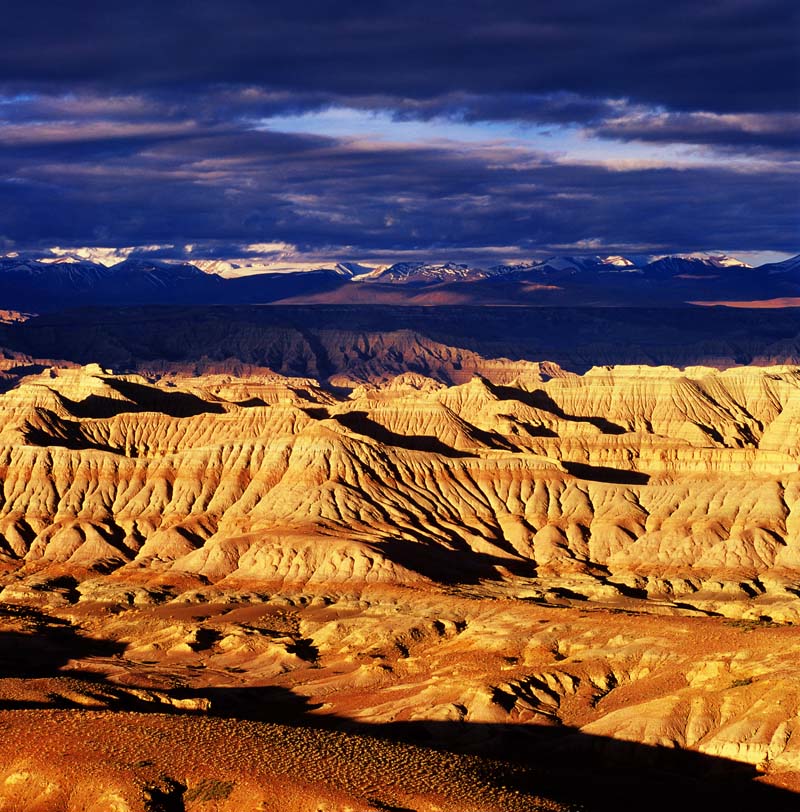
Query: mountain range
[[41, 284]]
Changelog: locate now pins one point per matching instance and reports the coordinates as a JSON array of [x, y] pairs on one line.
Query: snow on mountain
[[64, 259], [723, 261], [571, 264], [218, 267], [618, 263], [98, 255], [158, 273], [694, 263], [599, 264], [423, 272], [237, 268], [373, 273], [350, 269], [14, 263], [36, 283], [56, 271], [76, 268], [517, 268]]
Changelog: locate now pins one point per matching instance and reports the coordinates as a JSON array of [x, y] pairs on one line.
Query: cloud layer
[[652, 126]]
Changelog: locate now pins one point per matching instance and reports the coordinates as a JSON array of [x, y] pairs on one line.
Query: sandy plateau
[[529, 590]]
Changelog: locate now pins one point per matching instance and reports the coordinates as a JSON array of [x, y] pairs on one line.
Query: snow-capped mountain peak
[[709, 260], [64, 259], [724, 261], [217, 267], [617, 262], [163, 270], [425, 272], [352, 269]]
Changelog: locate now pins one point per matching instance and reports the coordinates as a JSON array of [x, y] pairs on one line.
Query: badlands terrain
[[421, 578]]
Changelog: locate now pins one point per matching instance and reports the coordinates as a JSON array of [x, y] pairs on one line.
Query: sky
[[372, 131]]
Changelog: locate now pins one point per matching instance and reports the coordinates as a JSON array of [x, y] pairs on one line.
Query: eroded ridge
[[579, 561], [675, 485]]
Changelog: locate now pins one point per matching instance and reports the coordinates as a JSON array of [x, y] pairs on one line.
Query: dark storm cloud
[[232, 188], [779, 133], [729, 56], [213, 104], [143, 123], [615, 119], [55, 119], [554, 108]]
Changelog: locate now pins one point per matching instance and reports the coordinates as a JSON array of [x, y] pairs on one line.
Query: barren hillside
[[610, 557]]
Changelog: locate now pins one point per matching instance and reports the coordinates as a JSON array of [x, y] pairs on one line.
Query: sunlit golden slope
[[612, 557], [680, 484]]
